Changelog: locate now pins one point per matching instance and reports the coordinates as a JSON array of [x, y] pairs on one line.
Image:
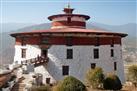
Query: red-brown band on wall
[[75, 41], [65, 23]]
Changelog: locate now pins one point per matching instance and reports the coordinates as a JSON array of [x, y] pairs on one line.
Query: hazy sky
[[113, 12]]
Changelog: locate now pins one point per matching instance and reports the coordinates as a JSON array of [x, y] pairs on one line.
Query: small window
[[112, 43], [65, 70], [96, 53], [45, 40], [112, 53], [69, 54], [68, 19], [23, 53], [93, 65], [97, 41], [48, 80], [44, 53], [115, 66], [23, 41], [69, 41]]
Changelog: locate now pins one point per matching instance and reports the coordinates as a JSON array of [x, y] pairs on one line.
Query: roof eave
[[30, 33], [51, 17]]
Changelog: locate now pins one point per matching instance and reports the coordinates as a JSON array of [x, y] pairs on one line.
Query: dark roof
[[60, 15], [70, 30]]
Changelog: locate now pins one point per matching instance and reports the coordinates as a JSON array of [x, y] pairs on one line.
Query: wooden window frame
[[68, 19], [45, 40], [112, 52], [48, 80], [23, 53], [97, 41], [65, 70], [23, 41], [112, 42], [69, 41], [96, 53], [69, 54], [115, 66], [93, 65]]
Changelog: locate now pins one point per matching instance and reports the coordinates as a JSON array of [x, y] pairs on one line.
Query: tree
[[70, 83], [112, 82], [132, 73], [95, 77]]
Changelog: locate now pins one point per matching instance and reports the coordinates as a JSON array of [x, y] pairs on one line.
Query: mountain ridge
[[7, 47]]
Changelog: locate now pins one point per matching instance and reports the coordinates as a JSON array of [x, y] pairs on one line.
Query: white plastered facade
[[78, 66]]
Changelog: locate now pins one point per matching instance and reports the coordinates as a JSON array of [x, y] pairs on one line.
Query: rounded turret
[[68, 19]]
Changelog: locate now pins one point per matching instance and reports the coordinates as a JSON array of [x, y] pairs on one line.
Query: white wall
[[32, 51], [81, 62]]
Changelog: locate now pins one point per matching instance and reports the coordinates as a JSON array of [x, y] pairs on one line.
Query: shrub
[[41, 88], [56, 87], [70, 83], [112, 82], [132, 73], [95, 77]]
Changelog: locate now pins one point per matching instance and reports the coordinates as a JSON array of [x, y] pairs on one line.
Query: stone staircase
[[23, 84], [19, 86]]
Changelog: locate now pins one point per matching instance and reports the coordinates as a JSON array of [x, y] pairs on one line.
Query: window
[[69, 41], [45, 40], [48, 80], [115, 66], [65, 70], [69, 53], [97, 41], [23, 53], [23, 41], [68, 19], [93, 65], [44, 52], [112, 53], [96, 53], [112, 43]]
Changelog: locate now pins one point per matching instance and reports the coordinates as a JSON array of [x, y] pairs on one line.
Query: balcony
[[40, 60]]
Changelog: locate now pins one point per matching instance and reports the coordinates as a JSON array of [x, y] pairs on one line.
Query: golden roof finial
[[68, 6], [68, 9]]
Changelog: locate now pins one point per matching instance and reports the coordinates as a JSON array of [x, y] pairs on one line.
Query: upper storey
[[68, 24], [68, 19]]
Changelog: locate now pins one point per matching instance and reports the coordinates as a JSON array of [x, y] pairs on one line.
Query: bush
[[70, 83], [41, 88], [95, 77], [112, 82], [56, 87], [132, 73]]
